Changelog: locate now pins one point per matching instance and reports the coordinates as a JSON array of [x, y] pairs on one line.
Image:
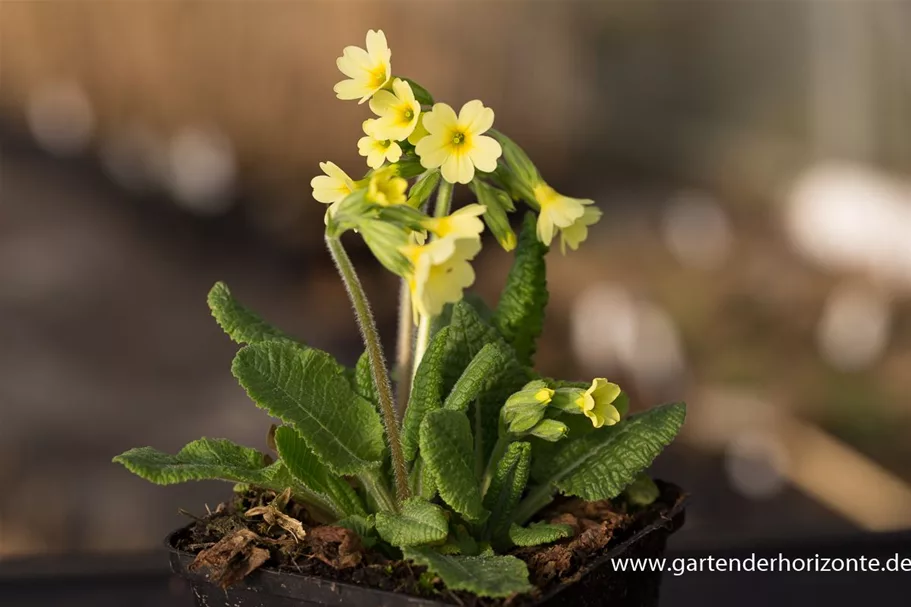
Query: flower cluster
[[410, 136], [536, 409]]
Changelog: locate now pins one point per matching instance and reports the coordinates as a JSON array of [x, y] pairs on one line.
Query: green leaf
[[241, 325], [448, 453], [363, 381], [483, 372], [491, 576], [418, 522], [426, 392], [203, 459], [421, 481], [506, 487], [310, 472], [538, 533], [308, 390], [468, 333], [599, 465], [520, 313]]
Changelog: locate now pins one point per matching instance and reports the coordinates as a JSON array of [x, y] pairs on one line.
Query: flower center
[[408, 115], [385, 143], [378, 76], [458, 138]]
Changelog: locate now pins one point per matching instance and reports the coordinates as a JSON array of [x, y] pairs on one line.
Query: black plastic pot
[[598, 584]]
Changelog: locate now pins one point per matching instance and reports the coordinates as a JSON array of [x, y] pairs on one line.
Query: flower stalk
[[378, 370], [441, 209]]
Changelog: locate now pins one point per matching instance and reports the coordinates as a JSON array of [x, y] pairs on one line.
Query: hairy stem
[[377, 362], [404, 350], [443, 204]]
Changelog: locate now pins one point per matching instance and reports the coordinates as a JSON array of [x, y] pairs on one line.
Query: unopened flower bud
[[517, 160], [423, 188], [385, 241], [526, 407], [550, 430], [498, 205]]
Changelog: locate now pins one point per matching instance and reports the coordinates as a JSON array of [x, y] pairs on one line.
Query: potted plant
[[483, 481]]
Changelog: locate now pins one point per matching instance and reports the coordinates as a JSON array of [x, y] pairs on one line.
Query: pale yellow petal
[[434, 150], [545, 228], [403, 90], [458, 169], [383, 102], [440, 119], [353, 62], [393, 152], [484, 153], [350, 89], [377, 47], [475, 118]]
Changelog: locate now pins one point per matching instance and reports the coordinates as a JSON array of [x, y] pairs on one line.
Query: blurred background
[[752, 159]]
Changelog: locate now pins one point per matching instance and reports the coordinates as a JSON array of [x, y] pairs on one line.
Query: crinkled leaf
[[418, 522], [203, 459], [310, 472], [506, 487], [470, 334], [538, 533], [242, 325], [520, 312], [483, 372], [426, 392], [308, 390], [448, 453], [487, 575], [421, 481], [600, 464]]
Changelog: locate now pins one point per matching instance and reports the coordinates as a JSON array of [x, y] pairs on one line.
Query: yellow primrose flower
[[333, 186], [368, 71], [577, 232], [385, 188], [597, 403], [463, 223], [398, 111], [440, 272], [457, 144], [377, 149], [419, 131], [557, 211]]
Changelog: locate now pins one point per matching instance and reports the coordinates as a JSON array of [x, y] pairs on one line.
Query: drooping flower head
[[440, 272], [398, 111], [597, 403], [457, 144], [368, 70], [376, 148], [558, 212], [576, 233], [463, 223], [386, 188], [333, 186]]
